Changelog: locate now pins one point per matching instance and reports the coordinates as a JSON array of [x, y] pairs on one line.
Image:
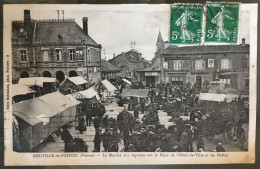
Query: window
[[177, 65], [23, 54], [97, 52], [226, 63], [165, 65], [58, 54], [226, 81], [72, 54], [45, 55], [210, 63], [177, 80], [199, 64], [89, 55], [246, 61], [95, 69]]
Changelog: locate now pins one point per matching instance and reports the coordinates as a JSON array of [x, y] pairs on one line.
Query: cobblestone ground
[[112, 110]]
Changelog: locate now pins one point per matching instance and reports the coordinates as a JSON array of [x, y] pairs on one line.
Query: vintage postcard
[[130, 84]]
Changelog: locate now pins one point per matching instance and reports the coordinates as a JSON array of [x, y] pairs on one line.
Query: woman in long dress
[[183, 21], [222, 33]]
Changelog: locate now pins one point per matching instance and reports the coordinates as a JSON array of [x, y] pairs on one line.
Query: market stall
[[40, 117], [72, 84], [21, 92]]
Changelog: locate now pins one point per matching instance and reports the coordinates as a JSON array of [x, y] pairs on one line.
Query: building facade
[[203, 64], [129, 62], [54, 48], [155, 73], [199, 65], [109, 71]]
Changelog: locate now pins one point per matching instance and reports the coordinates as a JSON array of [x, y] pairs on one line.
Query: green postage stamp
[[222, 21], [186, 23]]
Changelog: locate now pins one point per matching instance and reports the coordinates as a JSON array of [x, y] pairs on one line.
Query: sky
[[115, 26]]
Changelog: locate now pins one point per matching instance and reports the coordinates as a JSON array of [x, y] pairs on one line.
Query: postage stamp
[[222, 21], [186, 23]]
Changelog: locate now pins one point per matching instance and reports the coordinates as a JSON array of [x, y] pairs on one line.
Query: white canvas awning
[[36, 81], [89, 94], [217, 82], [212, 97], [135, 92], [45, 119], [108, 85], [77, 80], [127, 81], [21, 89]]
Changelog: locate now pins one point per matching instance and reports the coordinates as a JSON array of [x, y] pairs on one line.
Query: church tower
[[159, 43]]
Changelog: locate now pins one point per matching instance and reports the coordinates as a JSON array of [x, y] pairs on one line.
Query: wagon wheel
[[209, 135], [228, 132]]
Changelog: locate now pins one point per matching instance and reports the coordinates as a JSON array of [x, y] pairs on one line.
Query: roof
[[131, 55], [159, 39], [21, 89], [36, 81], [89, 94], [28, 110], [126, 81], [135, 92], [58, 101], [205, 49], [77, 80], [108, 85], [47, 31], [71, 98], [36, 110], [108, 67], [212, 97]]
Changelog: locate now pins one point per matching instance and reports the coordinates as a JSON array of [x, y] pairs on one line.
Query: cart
[[217, 127]]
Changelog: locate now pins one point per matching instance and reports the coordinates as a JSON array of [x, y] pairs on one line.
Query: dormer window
[[21, 30]]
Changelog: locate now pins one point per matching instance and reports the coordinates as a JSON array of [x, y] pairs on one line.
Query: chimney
[[27, 20], [114, 55], [85, 24], [243, 41]]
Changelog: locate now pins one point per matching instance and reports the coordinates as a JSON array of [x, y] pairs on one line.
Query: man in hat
[[190, 134], [97, 122], [66, 137], [136, 111], [219, 148], [142, 105], [131, 148], [105, 121], [81, 122], [200, 143], [97, 139], [106, 138], [192, 117], [184, 142]]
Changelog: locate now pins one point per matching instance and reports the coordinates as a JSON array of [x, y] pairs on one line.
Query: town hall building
[[54, 48]]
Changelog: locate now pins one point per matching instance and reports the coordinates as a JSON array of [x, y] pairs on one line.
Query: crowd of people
[[148, 135]]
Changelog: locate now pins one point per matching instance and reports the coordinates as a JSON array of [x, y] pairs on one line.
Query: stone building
[[199, 65], [109, 71], [154, 73], [54, 48], [202, 64], [129, 62]]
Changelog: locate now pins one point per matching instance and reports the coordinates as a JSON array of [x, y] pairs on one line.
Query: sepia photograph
[[119, 79]]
